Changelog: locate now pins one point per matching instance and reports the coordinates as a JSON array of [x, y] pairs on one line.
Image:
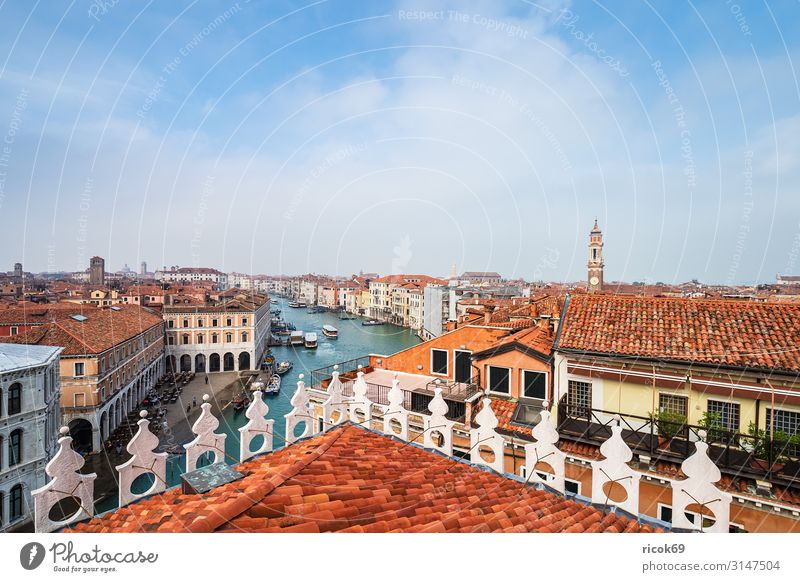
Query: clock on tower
[[595, 259]]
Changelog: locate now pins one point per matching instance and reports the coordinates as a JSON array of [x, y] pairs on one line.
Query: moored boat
[[296, 338], [274, 384], [310, 340], [330, 331], [283, 367]]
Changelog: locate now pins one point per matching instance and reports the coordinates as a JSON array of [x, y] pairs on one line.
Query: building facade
[[97, 271], [29, 424], [189, 275], [219, 336]]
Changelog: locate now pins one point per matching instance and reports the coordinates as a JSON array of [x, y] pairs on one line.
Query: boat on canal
[[296, 338], [330, 331], [372, 322], [274, 385], [310, 340], [283, 367], [293, 304]]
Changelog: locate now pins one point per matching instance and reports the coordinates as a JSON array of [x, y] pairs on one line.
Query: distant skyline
[[330, 136]]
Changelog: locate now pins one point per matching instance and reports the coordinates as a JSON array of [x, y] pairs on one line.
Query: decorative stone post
[[143, 461], [300, 413], [438, 428], [257, 425], [395, 415], [613, 472], [65, 483], [698, 490], [486, 446], [206, 440], [334, 410], [544, 450], [361, 402]]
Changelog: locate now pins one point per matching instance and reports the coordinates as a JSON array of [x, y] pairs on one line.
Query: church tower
[[596, 259]]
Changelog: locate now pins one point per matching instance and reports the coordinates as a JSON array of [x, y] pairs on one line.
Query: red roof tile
[[353, 480], [741, 334]]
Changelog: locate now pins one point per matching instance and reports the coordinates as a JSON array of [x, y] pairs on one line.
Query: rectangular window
[[14, 331], [534, 384], [785, 421], [726, 414], [79, 369], [673, 403], [439, 360], [579, 394], [214, 322], [499, 380], [571, 486]]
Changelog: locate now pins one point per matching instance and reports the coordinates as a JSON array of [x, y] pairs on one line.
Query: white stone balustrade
[[486, 446], [544, 450], [300, 413], [143, 461], [66, 483], [361, 402], [395, 415], [206, 440], [612, 475], [335, 409], [257, 425], [438, 428], [697, 493]]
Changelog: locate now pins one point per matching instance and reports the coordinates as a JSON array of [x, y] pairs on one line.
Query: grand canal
[[355, 340]]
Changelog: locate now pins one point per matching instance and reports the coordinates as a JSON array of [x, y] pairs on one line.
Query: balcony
[[737, 455], [418, 389]]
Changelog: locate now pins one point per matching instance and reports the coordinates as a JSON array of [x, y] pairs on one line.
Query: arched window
[[185, 338], [15, 503], [15, 447], [200, 338], [244, 336], [15, 398], [214, 338]]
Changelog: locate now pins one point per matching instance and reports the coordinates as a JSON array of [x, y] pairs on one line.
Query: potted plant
[[669, 425], [782, 444], [711, 422]]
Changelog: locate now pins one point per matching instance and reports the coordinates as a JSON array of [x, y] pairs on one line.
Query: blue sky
[[334, 136]]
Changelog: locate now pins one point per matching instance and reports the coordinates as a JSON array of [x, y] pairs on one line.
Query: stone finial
[[300, 413], [257, 425], [438, 428], [144, 460], [613, 472], [335, 409], [395, 415], [66, 482], [361, 402], [698, 490], [206, 439], [486, 446], [544, 450]]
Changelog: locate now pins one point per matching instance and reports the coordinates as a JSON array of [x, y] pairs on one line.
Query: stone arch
[[244, 361], [104, 426], [186, 363], [213, 363], [171, 364], [80, 429], [228, 362], [200, 363]]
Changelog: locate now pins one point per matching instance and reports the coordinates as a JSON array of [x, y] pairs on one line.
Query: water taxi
[[330, 331], [296, 338], [293, 304], [311, 340], [273, 301]]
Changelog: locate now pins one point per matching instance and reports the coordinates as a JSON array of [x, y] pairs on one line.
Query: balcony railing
[[749, 455], [455, 394]]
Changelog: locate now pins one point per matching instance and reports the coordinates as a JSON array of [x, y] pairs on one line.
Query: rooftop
[[741, 334], [351, 479], [15, 357]]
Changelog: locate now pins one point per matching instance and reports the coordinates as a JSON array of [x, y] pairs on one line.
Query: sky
[[332, 136]]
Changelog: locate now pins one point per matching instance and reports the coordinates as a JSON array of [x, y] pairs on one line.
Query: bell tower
[[596, 259]]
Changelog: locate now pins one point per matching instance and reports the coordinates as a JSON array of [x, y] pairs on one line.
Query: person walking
[[206, 378], [194, 401]]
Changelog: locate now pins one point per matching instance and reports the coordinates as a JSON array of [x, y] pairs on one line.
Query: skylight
[[115, 308], [79, 317]]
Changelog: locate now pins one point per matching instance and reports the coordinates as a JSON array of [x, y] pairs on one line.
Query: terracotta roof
[[742, 334], [538, 338], [350, 479], [102, 329]]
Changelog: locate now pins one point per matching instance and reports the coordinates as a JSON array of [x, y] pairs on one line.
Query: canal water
[[354, 341]]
